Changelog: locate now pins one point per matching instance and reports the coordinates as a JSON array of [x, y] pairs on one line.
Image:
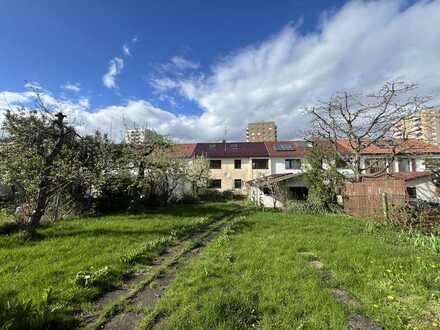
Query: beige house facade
[[234, 166]]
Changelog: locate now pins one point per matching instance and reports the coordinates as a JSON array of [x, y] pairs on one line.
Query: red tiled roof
[[232, 149], [183, 150], [299, 148], [406, 176], [410, 146]]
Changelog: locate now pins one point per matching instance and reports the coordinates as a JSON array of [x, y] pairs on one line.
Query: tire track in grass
[[355, 321], [126, 306], [146, 298]]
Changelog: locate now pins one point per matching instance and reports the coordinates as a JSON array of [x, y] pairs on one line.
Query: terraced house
[[235, 166]]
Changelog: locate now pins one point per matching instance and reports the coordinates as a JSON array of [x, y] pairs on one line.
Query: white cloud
[[33, 85], [114, 119], [184, 64], [163, 84], [72, 87], [115, 67], [27, 99], [360, 46], [9, 100], [126, 50]]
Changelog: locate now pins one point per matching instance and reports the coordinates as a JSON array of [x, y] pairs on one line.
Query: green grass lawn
[[62, 250], [255, 277]]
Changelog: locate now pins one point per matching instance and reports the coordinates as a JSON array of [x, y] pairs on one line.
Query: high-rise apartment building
[[261, 132], [136, 136], [424, 125]]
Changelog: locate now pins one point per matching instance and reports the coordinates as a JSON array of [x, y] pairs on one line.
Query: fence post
[[386, 210]]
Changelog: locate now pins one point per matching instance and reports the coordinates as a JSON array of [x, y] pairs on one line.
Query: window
[[267, 191], [260, 164], [237, 183], [375, 165], [298, 193], [412, 192], [237, 163], [341, 163], [215, 183], [215, 163], [413, 165], [293, 164], [403, 165]]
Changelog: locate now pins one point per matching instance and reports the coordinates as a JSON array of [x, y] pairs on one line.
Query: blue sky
[[190, 69]]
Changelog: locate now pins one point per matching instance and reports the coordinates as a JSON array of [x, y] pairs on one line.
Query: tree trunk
[[40, 206], [43, 186], [357, 168]]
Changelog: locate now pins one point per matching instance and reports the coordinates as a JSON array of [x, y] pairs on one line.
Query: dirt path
[[126, 306], [355, 321]]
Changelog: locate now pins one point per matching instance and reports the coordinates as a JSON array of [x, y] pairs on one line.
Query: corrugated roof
[[406, 176]]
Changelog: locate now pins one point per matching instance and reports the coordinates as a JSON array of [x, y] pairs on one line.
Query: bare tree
[[365, 120]]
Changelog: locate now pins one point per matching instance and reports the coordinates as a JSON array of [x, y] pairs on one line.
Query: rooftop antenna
[[226, 134]]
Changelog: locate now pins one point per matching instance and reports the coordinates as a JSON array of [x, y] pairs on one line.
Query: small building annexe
[[234, 166]]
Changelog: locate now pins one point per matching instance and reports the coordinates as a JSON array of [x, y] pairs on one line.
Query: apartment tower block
[[261, 132], [424, 125]]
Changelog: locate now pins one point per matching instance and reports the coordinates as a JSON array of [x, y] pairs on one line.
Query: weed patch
[[81, 258], [259, 277]]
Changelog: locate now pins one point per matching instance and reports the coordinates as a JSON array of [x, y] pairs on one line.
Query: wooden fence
[[365, 199]]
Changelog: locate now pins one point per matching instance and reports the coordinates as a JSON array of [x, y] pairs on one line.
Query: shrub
[[420, 217], [189, 199], [228, 195], [212, 196], [308, 207]]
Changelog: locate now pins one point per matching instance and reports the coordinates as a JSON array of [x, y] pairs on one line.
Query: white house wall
[[257, 196], [426, 190], [278, 165]]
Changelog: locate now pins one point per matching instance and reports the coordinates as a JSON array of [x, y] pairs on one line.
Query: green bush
[[309, 207], [418, 217], [189, 199]]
